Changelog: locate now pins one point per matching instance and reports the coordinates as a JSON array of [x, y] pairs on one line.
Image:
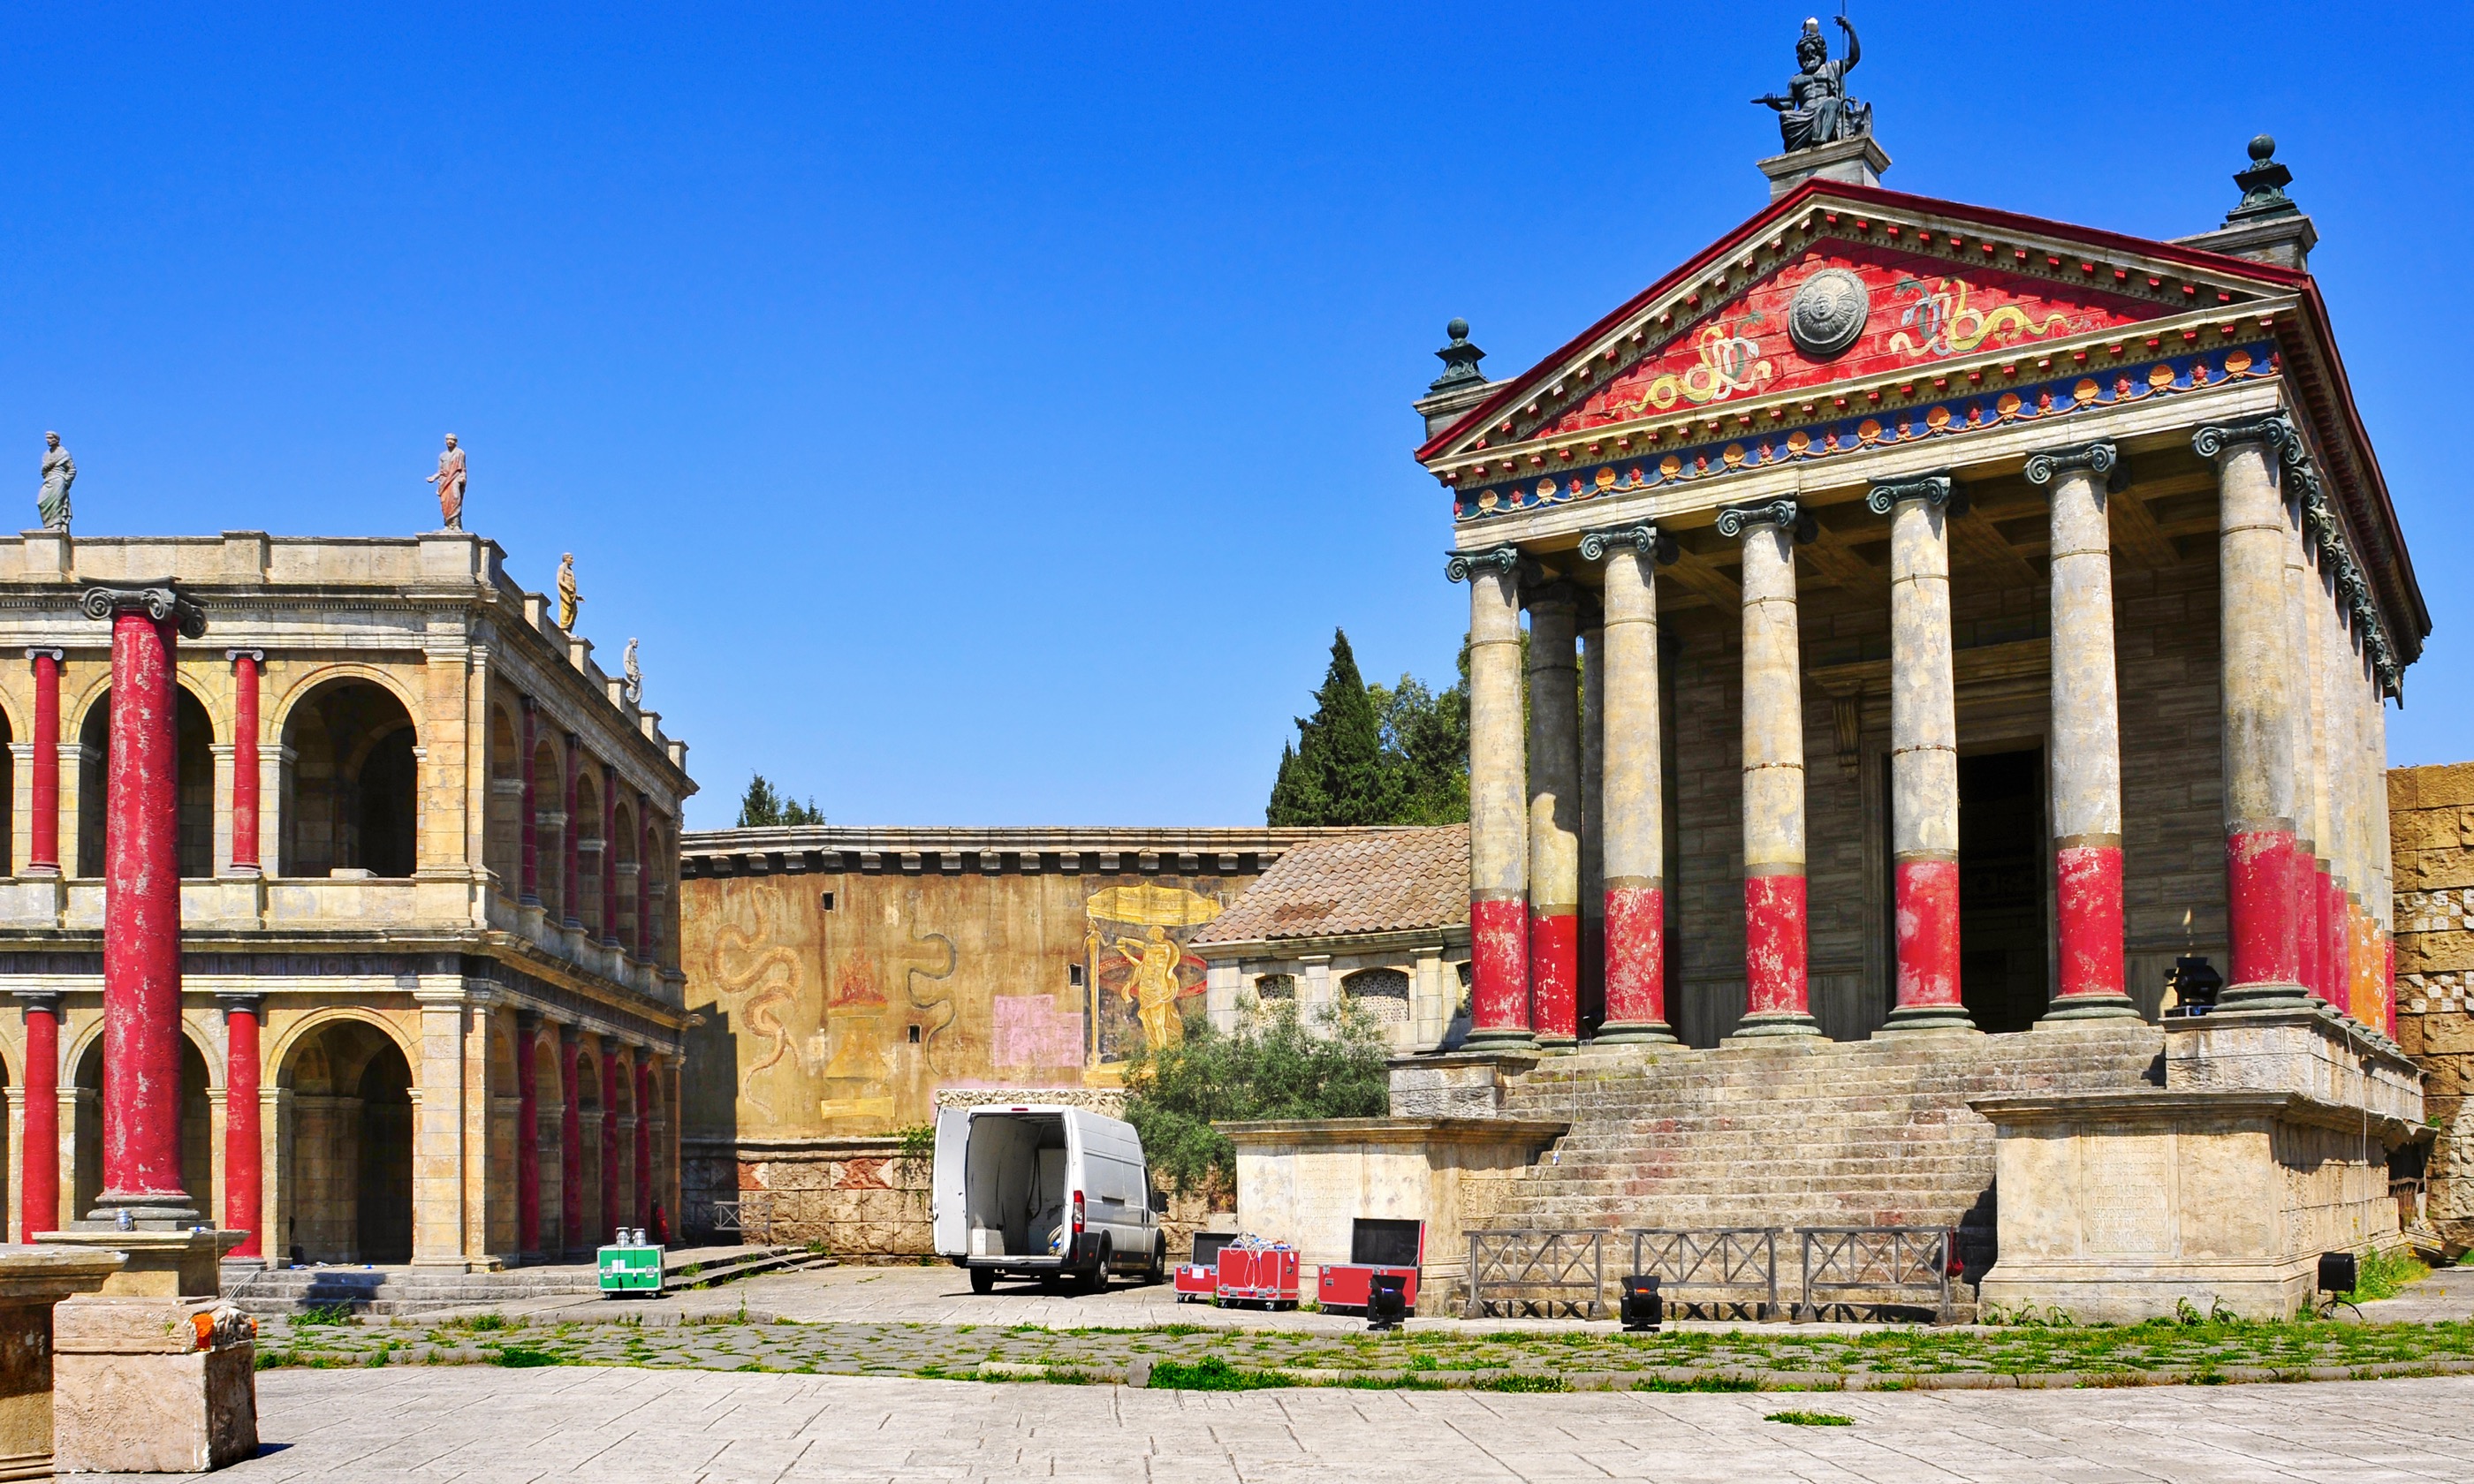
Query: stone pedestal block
[[32, 1280], [180, 1263], [153, 1385], [1455, 1085]]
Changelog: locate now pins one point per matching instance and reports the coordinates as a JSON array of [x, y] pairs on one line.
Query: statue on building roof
[[59, 471], [449, 480], [569, 599], [633, 686], [1815, 109]]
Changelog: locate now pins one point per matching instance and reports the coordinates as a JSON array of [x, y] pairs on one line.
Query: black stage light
[[2339, 1272], [1386, 1304], [1642, 1307]]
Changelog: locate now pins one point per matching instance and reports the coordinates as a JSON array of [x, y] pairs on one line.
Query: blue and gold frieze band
[[1932, 488], [1458, 565], [2032, 402], [2101, 457]]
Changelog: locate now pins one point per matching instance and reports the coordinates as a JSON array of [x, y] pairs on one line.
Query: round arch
[[196, 729], [317, 1020], [75, 1050], [278, 717], [352, 779]]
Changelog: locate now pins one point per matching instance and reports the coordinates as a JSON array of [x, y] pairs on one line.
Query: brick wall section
[[2431, 842]]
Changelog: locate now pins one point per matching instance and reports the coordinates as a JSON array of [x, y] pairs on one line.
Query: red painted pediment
[[1922, 308]]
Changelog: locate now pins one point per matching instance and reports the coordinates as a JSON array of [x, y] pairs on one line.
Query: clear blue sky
[[985, 416]]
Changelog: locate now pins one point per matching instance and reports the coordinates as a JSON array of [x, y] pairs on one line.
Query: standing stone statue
[[59, 471], [449, 480], [633, 686], [1815, 109], [569, 599]]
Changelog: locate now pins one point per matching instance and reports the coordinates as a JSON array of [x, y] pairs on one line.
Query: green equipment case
[[628, 1268]]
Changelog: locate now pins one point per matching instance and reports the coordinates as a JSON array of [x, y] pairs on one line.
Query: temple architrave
[[1940, 626], [428, 852]]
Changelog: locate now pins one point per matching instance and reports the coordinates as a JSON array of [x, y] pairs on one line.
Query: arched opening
[[586, 908], [624, 1177], [550, 854], [588, 1162], [548, 1097], [503, 845], [194, 756], [622, 849], [197, 1129], [8, 799], [348, 784], [346, 1149]]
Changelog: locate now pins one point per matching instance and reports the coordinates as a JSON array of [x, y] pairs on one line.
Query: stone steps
[[392, 1291]]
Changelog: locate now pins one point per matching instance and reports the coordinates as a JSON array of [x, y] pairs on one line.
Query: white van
[[1043, 1190]]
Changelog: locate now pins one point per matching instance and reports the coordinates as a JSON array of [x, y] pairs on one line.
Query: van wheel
[[1159, 1268], [984, 1279], [1096, 1279]]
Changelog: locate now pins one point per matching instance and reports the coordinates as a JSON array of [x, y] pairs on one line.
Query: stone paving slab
[[472, 1425]]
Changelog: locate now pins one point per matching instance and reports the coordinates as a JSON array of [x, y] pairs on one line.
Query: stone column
[[1591, 997], [243, 1139], [141, 910], [1499, 824], [1554, 815], [528, 1235], [2083, 759], [1775, 997], [44, 852], [38, 1186], [2310, 826], [246, 664], [438, 1167], [528, 879], [645, 935], [570, 910], [611, 1176], [609, 858], [2258, 692], [643, 1065], [1632, 799], [1923, 757], [570, 1144]]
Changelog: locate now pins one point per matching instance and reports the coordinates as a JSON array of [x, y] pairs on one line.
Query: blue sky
[[984, 416]]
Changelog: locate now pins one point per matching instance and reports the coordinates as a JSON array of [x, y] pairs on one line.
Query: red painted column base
[[2260, 895], [1776, 999], [1926, 926], [1635, 967], [1555, 977], [1498, 973], [2089, 918]]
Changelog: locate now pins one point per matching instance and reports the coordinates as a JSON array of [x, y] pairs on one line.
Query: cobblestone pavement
[[2447, 1294], [469, 1425]]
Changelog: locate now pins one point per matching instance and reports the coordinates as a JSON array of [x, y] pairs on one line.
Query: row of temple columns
[[646, 940], [624, 1201], [2302, 747]]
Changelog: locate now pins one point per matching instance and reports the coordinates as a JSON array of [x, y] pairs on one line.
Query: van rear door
[[948, 1202]]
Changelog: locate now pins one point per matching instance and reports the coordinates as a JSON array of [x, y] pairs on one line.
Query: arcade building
[[431, 1011]]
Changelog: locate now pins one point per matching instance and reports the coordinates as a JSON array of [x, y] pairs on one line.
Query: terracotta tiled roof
[[1381, 880]]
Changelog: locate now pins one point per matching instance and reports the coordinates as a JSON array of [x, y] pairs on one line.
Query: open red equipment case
[[1375, 1245], [1200, 1278], [1253, 1271]]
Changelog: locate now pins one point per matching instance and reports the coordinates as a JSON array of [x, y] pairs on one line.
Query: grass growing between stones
[[1811, 1419], [1754, 1357]]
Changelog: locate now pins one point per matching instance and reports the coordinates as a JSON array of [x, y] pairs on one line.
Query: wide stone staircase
[[1857, 1133], [394, 1290]]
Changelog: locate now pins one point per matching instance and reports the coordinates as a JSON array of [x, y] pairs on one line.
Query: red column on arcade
[[244, 1150], [141, 906], [570, 910], [38, 1188], [246, 664], [529, 882], [43, 850], [527, 1134], [570, 1145], [611, 1180], [644, 1137], [609, 860], [644, 857]]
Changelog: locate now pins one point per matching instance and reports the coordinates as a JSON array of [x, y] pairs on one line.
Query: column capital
[[1932, 488], [240, 1002], [1460, 567], [1786, 512], [256, 656], [1645, 540], [161, 600], [2274, 429], [2102, 457], [55, 656], [570, 1034], [45, 1001]]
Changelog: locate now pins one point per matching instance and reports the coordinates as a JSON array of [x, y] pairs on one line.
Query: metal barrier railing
[[1725, 1265], [1876, 1266], [749, 1218], [1539, 1272]]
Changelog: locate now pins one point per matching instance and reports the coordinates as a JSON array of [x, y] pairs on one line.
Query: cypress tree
[[1337, 774]]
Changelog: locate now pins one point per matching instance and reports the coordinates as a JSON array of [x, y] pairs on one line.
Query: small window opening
[[915, 1035], [1074, 976], [825, 904]]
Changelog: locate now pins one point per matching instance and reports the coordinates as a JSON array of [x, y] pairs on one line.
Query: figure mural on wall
[[1815, 109], [1140, 967], [569, 599], [59, 471], [449, 480]]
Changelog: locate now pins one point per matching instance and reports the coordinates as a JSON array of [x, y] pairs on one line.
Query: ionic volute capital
[[1785, 511], [1460, 566], [1932, 488], [159, 601], [2273, 429], [2102, 457], [1645, 540]]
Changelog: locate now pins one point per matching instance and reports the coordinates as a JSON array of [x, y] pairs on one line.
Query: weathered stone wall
[[2430, 835]]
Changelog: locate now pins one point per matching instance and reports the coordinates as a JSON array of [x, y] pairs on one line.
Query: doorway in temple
[[2001, 853]]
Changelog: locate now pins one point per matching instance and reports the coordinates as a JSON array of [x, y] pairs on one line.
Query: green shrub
[[2385, 1275], [1273, 1065]]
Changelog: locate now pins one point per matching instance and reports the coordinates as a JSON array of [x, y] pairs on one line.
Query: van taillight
[[1077, 1213]]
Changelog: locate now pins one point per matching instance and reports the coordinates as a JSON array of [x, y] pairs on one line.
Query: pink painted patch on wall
[[1031, 1031]]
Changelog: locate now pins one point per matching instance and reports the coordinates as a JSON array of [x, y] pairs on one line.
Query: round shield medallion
[[1828, 313]]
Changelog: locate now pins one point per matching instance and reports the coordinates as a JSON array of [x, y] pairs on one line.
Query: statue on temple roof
[[1815, 109]]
